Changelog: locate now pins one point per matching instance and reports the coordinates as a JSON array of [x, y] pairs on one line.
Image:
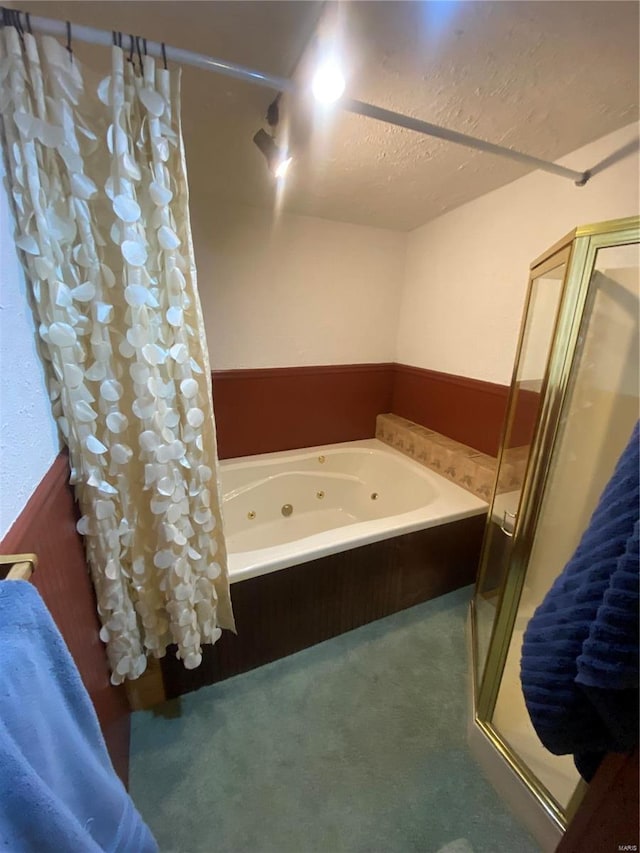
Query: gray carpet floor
[[357, 744]]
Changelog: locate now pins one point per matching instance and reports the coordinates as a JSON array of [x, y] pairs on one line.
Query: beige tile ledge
[[463, 465]]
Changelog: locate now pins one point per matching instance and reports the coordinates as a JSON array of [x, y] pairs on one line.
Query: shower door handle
[[503, 526]]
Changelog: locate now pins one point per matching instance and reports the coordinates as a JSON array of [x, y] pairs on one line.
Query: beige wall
[[299, 290], [295, 290], [466, 272]]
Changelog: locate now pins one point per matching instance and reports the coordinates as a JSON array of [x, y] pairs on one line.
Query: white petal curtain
[[98, 178]]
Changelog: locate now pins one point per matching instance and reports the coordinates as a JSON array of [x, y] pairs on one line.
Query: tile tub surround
[[459, 463]]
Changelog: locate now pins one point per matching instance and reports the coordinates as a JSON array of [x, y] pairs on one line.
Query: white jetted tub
[[282, 509]]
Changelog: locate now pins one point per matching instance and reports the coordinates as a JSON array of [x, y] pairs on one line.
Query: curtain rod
[[92, 35]]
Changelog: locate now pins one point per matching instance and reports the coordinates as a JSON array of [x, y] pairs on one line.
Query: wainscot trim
[[303, 370]]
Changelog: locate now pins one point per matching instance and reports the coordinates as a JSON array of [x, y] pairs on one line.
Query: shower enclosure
[[572, 406]]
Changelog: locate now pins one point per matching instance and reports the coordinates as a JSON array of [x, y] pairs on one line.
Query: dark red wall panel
[[47, 527], [467, 410], [258, 411], [527, 408]]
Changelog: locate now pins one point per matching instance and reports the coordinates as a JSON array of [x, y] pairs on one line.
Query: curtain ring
[[27, 18], [17, 23], [130, 48], [139, 52], [69, 50], [7, 17], [164, 56], [144, 46], [113, 36]]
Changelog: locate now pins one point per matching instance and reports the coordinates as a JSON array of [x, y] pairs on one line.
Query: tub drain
[[286, 510]]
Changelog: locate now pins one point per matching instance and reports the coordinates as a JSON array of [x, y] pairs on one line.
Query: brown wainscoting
[[608, 816], [264, 410], [285, 611], [259, 411], [47, 527], [468, 410]]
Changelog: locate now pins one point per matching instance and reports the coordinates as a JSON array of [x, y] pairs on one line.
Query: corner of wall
[[466, 271], [401, 294]]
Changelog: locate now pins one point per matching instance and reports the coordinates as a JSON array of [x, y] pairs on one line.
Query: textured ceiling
[[543, 77]]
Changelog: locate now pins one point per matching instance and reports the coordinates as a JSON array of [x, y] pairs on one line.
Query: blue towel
[[59, 792], [579, 666]]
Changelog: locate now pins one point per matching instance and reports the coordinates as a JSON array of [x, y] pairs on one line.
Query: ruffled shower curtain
[[98, 179]]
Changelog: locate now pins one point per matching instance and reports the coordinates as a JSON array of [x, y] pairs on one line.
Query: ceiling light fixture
[[278, 160], [328, 82]]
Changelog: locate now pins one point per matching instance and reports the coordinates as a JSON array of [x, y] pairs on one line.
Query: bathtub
[[283, 509], [366, 532]]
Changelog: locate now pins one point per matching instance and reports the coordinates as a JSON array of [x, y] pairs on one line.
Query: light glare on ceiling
[[328, 82], [282, 167]]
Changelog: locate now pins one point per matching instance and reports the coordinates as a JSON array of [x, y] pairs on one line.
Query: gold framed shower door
[[576, 253]]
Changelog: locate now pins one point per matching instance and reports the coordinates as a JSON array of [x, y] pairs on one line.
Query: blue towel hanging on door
[[579, 666]]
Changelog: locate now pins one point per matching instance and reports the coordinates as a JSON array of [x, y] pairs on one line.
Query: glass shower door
[[537, 334], [598, 414]]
